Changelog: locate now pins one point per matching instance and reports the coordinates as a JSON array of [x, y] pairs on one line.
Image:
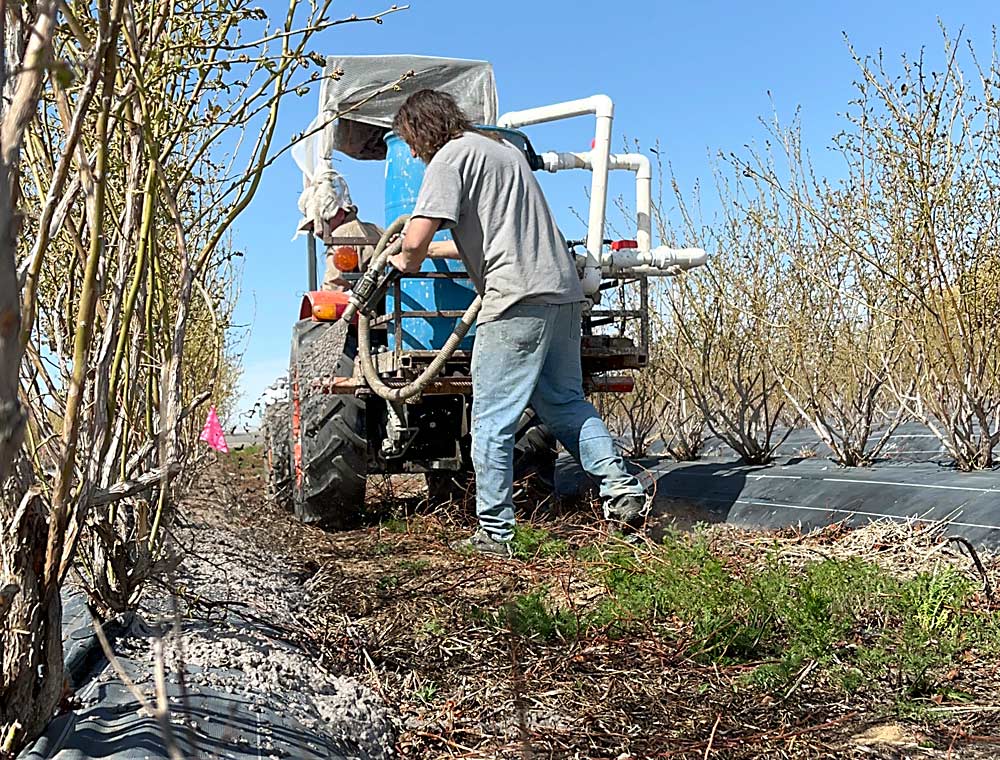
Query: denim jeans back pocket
[[521, 333]]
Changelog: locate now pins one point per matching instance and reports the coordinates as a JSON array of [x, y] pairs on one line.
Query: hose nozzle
[[372, 285]]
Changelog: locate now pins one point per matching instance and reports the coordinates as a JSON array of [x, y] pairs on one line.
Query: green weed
[[426, 692], [534, 616], [388, 582], [935, 601], [383, 549], [247, 456], [531, 543], [850, 622], [414, 566], [432, 626], [394, 525], [847, 624]]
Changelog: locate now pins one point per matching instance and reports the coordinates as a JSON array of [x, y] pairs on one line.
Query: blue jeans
[[531, 355]]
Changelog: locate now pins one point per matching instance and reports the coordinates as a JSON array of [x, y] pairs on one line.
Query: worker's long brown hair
[[429, 119]]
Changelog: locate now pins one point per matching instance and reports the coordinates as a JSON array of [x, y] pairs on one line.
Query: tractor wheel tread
[[276, 431], [334, 447]]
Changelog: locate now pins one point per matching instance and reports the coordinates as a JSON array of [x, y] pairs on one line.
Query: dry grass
[[905, 549], [486, 658]]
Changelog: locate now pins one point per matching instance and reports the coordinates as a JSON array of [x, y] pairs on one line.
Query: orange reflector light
[[345, 259], [325, 306]]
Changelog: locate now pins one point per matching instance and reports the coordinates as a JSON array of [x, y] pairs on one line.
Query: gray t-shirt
[[484, 191]]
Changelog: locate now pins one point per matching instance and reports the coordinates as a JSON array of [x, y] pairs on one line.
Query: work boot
[[627, 513], [483, 543]]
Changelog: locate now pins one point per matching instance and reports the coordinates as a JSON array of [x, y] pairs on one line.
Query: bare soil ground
[[467, 671]]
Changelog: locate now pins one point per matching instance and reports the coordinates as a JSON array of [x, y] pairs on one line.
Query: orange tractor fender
[[324, 306]]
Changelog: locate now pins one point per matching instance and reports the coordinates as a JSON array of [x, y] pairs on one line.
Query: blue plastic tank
[[403, 176]]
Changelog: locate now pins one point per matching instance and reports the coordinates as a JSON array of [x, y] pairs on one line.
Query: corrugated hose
[[383, 251]]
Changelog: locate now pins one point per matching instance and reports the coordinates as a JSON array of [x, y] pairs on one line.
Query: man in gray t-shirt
[[527, 348], [483, 190]]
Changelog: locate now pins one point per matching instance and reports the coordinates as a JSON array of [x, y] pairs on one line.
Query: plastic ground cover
[[239, 684], [804, 488], [208, 722]]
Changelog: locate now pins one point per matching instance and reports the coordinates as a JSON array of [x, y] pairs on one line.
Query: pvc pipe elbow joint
[[591, 280], [602, 105]]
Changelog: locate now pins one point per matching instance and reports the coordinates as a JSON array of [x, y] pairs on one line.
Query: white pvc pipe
[[635, 162], [661, 260], [639, 164], [557, 162], [603, 108], [600, 158], [596, 104]]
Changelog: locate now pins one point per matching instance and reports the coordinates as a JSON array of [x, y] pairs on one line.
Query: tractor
[[379, 377]]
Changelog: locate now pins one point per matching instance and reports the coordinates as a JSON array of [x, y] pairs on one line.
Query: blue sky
[[695, 76]]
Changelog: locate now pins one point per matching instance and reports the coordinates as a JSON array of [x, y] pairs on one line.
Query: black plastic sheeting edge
[[82, 648], [212, 723], [83, 657], [812, 493]]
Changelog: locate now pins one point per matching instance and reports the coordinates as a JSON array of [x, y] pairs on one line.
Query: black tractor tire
[[276, 428], [534, 450], [328, 443]]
